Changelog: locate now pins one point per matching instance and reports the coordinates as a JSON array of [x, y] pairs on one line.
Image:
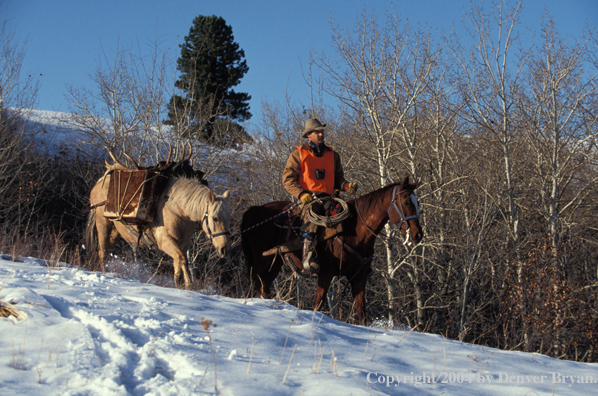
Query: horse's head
[[404, 211], [216, 222]]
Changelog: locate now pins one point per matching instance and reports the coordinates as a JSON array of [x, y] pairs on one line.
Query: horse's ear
[[211, 197], [226, 194]]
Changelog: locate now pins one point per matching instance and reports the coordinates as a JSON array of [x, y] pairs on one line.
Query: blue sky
[[65, 38]]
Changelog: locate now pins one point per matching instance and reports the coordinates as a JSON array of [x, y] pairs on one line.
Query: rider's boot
[[309, 261]]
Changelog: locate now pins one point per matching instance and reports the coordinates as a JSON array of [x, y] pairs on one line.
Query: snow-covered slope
[[88, 333], [50, 130]]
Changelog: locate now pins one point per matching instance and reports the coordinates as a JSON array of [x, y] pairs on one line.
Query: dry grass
[[44, 244], [7, 310]]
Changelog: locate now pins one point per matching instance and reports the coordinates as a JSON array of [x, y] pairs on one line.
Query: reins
[[355, 253], [393, 204]]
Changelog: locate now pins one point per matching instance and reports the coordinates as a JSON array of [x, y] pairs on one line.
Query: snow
[[50, 130], [90, 333]]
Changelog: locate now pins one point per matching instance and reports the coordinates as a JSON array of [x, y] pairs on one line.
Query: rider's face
[[316, 137]]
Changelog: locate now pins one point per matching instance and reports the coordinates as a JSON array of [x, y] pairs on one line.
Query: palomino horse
[[184, 203], [348, 255]]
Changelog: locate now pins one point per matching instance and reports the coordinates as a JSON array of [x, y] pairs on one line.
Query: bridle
[[209, 231], [404, 219], [400, 210], [393, 204], [203, 220]]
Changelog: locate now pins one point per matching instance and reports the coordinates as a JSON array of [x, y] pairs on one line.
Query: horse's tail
[[91, 238]]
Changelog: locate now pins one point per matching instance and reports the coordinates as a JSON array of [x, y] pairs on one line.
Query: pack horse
[[348, 254], [163, 209]]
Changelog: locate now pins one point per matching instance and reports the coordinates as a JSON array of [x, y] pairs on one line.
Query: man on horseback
[[313, 169]]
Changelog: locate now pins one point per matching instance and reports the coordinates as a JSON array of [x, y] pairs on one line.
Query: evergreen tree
[[211, 64]]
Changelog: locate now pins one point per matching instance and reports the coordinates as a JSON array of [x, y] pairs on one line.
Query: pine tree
[[211, 64]]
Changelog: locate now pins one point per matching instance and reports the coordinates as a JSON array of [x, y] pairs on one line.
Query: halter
[[404, 219], [212, 236]]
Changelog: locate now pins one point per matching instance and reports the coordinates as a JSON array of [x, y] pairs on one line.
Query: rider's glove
[[351, 188], [306, 198]]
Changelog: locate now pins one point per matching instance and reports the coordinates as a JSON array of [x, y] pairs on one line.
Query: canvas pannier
[[133, 195]]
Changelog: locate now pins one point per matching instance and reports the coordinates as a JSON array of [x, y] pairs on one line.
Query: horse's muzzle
[[224, 250], [418, 237]]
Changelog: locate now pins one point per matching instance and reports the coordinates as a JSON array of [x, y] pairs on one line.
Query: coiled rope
[[325, 220]]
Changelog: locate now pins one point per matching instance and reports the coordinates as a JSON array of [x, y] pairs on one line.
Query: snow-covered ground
[[89, 333]]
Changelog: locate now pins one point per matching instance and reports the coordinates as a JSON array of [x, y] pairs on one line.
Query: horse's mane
[[188, 193], [368, 201]]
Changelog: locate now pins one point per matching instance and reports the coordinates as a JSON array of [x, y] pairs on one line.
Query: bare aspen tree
[[561, 133], [16, 90], [560, 129], [19, 168], [490, 82], [360, 85], [379, 76]]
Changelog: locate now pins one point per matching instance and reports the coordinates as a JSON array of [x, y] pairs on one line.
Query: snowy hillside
[[87, 333], [50, 129]]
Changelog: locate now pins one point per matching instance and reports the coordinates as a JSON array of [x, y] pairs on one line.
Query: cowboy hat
[[312, 124]]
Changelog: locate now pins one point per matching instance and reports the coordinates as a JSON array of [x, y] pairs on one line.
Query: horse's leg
[[107, 235], [179, 260], [358, 290], [324, 280], [267, 277], [264, 285]]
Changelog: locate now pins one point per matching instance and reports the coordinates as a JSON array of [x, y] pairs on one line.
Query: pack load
[[133, 193]]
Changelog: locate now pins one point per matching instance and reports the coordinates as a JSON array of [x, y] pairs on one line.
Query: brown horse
[[183, 205], [349, 254]]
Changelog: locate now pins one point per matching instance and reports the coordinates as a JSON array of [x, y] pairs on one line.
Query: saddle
[[291, 221], [291, 218]]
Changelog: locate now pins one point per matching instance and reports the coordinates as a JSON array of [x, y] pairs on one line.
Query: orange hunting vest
[[309, 164]]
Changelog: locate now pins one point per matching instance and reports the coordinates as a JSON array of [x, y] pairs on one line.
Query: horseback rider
[[313, 169]]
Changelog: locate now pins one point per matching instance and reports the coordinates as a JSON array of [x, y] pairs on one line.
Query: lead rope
[[270, 219]]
